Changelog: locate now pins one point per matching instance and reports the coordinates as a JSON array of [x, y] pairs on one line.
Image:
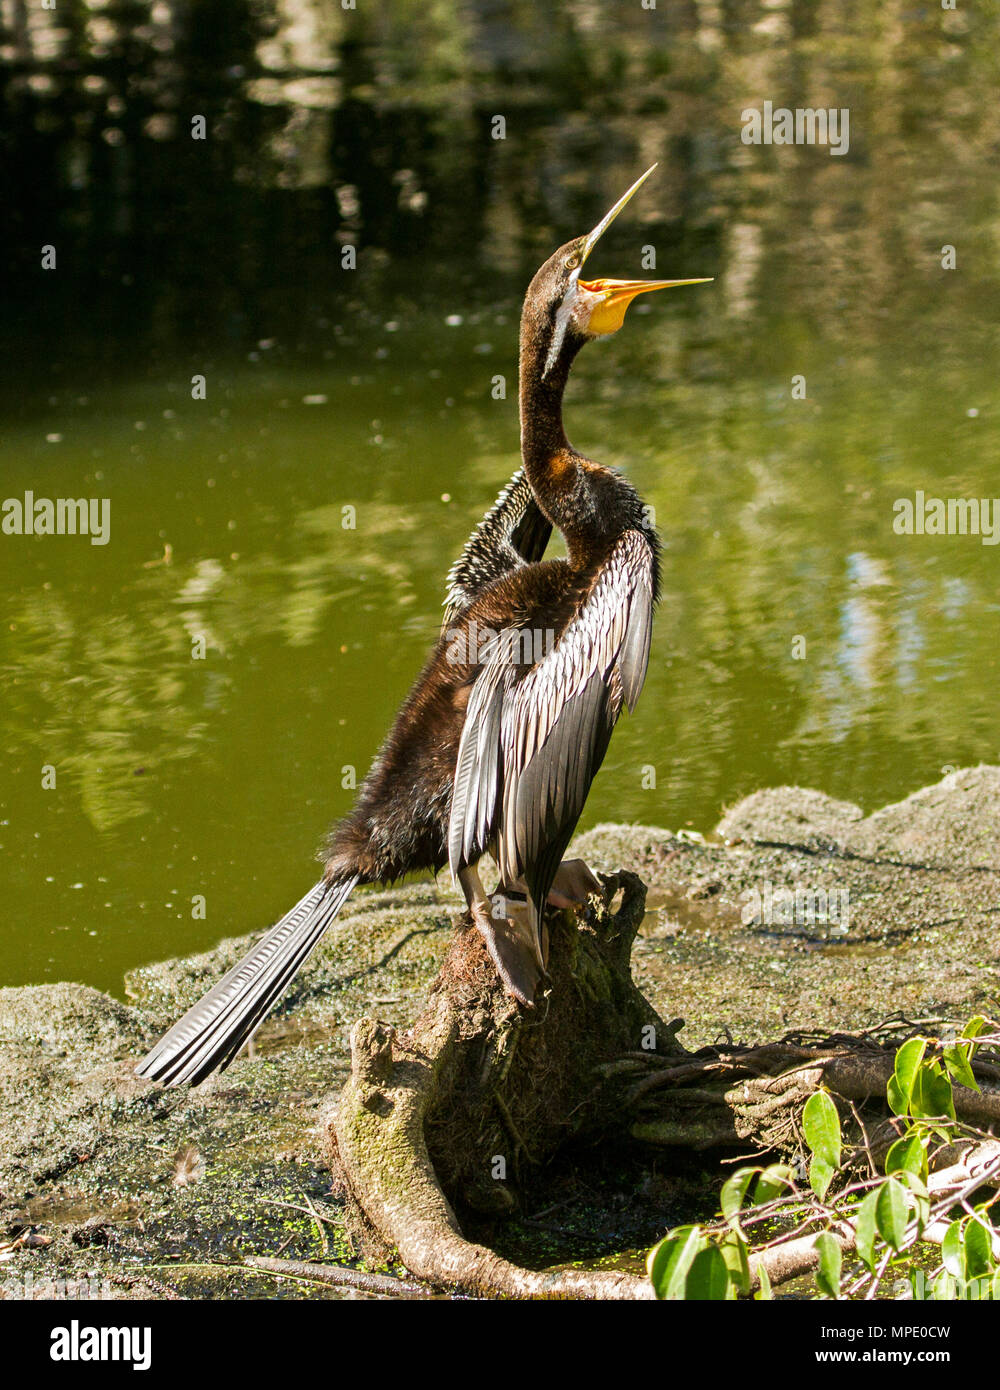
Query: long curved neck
[[590, 505], [552, 466]]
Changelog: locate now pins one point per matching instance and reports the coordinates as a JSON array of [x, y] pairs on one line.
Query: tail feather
[[232, 1030], [213, 1031]]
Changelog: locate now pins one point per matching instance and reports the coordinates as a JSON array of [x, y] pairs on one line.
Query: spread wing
[[534, 737], [513, 532]]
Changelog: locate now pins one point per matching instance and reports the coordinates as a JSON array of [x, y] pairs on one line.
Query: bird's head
[[564, 311]]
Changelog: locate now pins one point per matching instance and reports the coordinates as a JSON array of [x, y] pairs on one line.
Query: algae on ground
[[144, 1192]]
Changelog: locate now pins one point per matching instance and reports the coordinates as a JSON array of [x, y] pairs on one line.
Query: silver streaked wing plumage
[[513, 532], [532, 743]]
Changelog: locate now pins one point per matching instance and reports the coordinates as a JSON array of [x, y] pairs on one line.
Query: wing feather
[[535, 738], [513, 532]]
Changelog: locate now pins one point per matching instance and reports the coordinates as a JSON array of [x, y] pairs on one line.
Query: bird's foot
[[508, 930], [573, 884], [571, 887], [510, 939]]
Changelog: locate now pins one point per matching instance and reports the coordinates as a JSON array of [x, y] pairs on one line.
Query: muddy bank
[[799, 912]]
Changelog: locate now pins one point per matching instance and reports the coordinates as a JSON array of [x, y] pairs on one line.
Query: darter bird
[[496, 745]]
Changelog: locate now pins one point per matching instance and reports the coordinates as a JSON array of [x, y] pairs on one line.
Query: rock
[[790, 816], [955, 823]]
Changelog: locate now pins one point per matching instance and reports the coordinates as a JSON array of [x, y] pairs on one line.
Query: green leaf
[[763, 1294], [772, 1183], [864, 1225], [896, 1096], [734, 1191], [953, 1250], [978, 1249], [830, 1261], [920, 1206], [944, 1096], [907, 1155], [821, 1175], [974, 1027], [708, 1278], [890, 1212], [931, 1094], [956, 1059], [821, 1126], [908, 1059], [669, 1262], [734, 1252]]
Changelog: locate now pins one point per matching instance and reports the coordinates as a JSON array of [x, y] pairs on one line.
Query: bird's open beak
[[616, 295]]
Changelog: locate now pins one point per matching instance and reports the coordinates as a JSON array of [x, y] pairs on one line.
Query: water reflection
[[371, 390], [325, 126]]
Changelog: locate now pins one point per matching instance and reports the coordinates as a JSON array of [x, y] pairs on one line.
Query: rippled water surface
[[300, 519]]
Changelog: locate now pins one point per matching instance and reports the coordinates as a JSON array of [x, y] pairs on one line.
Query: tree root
[[455, 1117], [339, 1276], [764, 1106], [478, 1092]]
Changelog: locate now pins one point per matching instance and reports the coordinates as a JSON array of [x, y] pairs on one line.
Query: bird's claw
[[573, 884]]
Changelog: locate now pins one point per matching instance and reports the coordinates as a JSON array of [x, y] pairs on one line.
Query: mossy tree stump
[[456, 1116], [460, 1110]]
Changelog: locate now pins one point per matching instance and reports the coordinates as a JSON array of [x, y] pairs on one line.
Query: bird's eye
[[572, 261]]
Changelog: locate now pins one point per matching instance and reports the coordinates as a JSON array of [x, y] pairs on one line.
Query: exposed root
[[339, 1276], [774, 1082], [457, 1115], [455, 1111]]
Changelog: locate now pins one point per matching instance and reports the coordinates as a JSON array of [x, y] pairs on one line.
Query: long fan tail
[[212, 1032]]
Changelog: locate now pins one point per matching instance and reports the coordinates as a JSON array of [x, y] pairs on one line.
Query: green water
[[177, 777]]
